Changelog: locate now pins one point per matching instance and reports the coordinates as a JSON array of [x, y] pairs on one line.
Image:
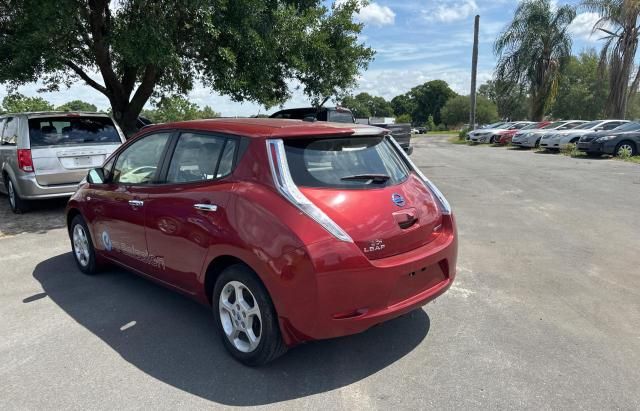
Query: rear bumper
[[353, 293], [29, 189]]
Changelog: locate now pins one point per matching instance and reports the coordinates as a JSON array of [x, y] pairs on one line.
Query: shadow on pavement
[[173, 339], [43, 215]]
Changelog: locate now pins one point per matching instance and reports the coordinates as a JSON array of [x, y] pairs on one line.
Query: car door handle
[[206, 207], [136, 203]]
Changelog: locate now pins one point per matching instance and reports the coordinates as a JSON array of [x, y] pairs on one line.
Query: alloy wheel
[[240, 316], [12, 194], [625, 150], [81, 245]]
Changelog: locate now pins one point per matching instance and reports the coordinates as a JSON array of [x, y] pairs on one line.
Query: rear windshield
[[628, 127], [341, 117], [554, 125], [58, 131], [357, 162]]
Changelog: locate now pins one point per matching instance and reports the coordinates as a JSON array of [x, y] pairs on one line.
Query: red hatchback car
[[291, 231]]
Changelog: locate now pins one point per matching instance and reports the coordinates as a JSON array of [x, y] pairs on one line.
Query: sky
[[415, 41]]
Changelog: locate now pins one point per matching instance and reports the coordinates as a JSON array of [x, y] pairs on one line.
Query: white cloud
[[582, 27], [450, 11], [375, 14]]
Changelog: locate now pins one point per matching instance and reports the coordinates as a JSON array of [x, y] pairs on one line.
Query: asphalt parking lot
[[545, 312]]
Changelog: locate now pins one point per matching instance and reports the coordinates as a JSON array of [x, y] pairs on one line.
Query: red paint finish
[[400, 258], [506, 135]]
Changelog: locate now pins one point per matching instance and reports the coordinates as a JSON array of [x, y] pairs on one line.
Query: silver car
[[560, 140], [46, 155], [532, 137], [492, 133]]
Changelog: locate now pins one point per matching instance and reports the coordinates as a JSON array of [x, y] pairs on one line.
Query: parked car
[[531, 138], [333, 114], [504, 137], [400, 132], [485, 132], [624, 139], [290, 231], [560, 140], [45, 155]]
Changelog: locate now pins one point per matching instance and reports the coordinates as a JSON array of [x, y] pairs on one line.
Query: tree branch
[[91, 82], [149, 80]]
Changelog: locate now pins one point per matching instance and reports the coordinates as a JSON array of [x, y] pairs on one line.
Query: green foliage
[[618, 24], [441, 127], [510, 99], [429, 98], [403, 104], [77, 105], [457, 109], [581, 91], [364, 105], [17, 103], [531, 49], [431, 125], [571, 150], [403, 119], [250, 50], [177, 108]]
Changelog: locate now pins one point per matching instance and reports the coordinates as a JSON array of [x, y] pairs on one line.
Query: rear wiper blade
[[376, 178]]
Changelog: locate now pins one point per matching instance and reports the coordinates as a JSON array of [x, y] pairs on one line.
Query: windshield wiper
[[376, 178]]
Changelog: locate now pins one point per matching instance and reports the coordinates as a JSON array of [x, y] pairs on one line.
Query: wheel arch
[[71, 214]]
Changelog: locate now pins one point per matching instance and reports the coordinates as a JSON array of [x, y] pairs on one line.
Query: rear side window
[[201, 157], [10, 134], [58, 131], [358, 162]]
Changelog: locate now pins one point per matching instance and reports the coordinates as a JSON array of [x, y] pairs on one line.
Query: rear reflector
[[285, 185], [25, 162]]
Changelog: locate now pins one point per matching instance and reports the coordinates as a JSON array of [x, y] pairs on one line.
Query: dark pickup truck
[[401, 132]]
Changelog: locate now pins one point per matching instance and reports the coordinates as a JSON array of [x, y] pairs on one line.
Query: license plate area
[[83, 161]]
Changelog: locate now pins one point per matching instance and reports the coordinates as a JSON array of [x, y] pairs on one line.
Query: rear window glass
[[56, 131], [341, 117], [358, 162]]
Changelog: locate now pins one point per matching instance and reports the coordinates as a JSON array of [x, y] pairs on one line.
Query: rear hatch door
[[65, 147], [362, 184]]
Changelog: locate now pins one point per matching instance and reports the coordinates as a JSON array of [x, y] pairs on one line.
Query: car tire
[[492, 140], [249, 327], [625, 146], [17, 204], [537, 144], [84, 253]]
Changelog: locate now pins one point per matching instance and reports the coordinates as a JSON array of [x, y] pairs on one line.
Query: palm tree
[[531, 49], [619, 23]]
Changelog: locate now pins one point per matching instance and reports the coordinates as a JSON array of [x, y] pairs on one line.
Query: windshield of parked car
[[494, 125], [588, 126], [530, 126], [64, 130], [628, 127], [354, 162], [553, 125]]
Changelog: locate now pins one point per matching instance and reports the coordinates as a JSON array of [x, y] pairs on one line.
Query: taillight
[[443, 204], [25, 162], [285, 185]]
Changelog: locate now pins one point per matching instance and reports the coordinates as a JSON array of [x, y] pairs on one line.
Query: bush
[[441, 127], [462, 135], [571, 150]]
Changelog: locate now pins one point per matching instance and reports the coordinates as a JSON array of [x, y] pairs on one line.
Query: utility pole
[[474, 72]]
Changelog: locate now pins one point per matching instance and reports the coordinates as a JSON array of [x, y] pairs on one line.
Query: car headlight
[[605, 138]]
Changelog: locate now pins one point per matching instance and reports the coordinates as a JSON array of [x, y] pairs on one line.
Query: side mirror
[[96, 176]]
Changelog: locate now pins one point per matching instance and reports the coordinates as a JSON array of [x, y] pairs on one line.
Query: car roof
[[34, 114], [270, 127]]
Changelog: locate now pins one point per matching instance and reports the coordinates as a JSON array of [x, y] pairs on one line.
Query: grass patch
[[571, 150], [457, 140], [629, 159]]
